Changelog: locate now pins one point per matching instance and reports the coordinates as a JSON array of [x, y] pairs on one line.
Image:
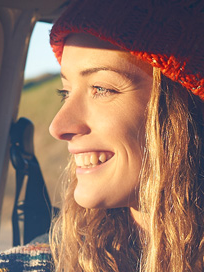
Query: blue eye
[[99, 91], [64, 94]]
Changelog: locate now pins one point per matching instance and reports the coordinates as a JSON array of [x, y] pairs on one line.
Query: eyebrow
[[90, 71]]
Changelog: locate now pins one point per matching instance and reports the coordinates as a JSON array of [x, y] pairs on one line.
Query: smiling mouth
[[92, 159]]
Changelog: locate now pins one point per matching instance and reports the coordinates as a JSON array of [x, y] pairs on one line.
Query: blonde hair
[[171, 193]]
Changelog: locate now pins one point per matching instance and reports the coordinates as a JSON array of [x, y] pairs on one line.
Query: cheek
[[136, 131], [133, 123], [128, 128], [119, 117]]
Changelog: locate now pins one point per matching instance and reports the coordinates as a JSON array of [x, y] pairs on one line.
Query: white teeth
[[87, 160], [94, 159], [79, 160], [102, 157]]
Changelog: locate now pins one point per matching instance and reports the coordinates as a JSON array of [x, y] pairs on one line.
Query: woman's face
[[105, 91]]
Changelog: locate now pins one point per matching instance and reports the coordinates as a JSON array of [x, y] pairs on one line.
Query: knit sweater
[[35, 258]]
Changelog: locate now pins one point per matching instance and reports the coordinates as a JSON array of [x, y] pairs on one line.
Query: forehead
[[89, 41], [90, 50]]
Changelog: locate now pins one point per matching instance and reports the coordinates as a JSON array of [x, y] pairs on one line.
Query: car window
[[39, 103]]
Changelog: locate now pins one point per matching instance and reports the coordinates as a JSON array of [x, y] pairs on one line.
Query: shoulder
[[27, 258]]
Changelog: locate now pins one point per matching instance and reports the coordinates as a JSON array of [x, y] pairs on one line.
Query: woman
[[134, 129], [133, 84]]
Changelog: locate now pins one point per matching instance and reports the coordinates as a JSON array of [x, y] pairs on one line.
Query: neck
[[140, 219]]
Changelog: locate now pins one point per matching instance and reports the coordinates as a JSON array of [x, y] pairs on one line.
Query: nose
[[70, 121]]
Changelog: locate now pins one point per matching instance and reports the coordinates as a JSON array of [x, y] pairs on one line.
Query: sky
[[40, 57]]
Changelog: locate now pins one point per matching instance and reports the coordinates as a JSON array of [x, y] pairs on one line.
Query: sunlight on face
[[105, 92]]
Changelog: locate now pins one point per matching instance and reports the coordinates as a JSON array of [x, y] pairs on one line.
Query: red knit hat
[[168, 34]]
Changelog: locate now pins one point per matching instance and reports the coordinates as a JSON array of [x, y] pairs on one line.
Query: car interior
[[17, 20]]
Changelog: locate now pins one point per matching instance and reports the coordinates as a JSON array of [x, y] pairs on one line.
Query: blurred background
[[39, 103]]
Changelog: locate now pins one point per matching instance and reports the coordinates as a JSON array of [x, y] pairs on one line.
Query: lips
[[92, 159]]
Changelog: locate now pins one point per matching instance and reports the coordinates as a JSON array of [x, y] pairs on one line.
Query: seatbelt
[[35, 209]]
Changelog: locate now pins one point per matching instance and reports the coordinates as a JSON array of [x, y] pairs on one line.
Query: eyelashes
[[96, 92], [63, 94]]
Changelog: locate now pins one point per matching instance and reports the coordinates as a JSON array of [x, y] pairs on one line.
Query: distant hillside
[[38, 80], [40, 103]]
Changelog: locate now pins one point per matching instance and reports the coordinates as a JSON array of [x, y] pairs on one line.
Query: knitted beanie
[[168, 34]]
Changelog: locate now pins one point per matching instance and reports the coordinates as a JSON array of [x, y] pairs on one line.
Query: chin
[[89, 203], [86, 201]]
